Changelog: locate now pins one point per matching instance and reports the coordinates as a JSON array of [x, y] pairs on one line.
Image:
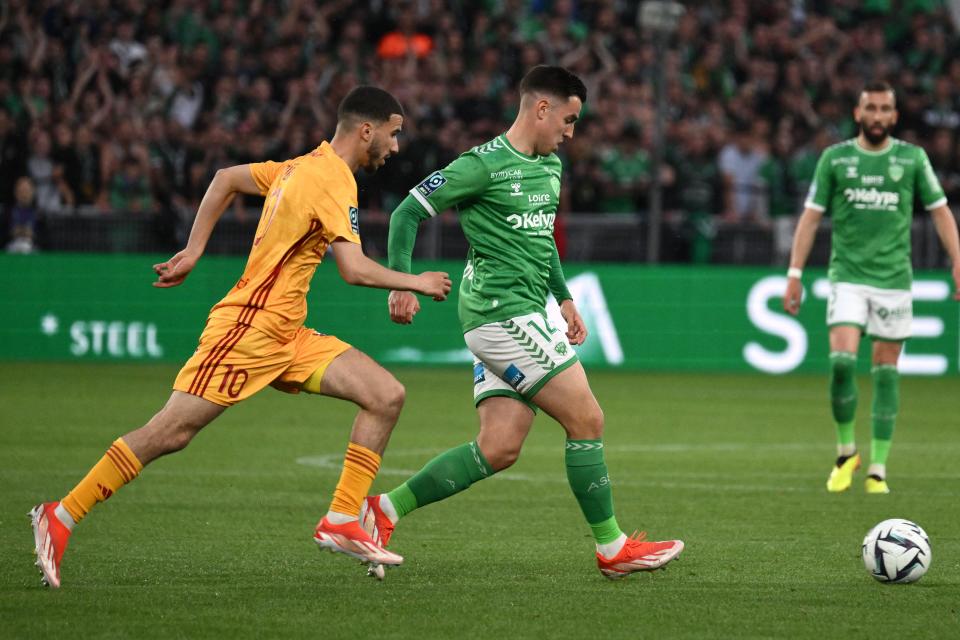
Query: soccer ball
[[897, 550]]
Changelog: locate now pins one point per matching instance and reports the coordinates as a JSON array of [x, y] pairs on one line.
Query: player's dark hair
[[368, 103], [555, 81], [879, 86]]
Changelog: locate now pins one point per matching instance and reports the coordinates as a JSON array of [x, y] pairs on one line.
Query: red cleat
[[50, 538], [639, 555], [376, 523], [353, 541]]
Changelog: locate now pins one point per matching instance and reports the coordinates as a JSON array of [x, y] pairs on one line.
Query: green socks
[[843, 393], [450, 472], [886, 403], [590, 482]]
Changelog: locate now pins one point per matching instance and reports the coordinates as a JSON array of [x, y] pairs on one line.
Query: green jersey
[[507, 203], [869, 195]]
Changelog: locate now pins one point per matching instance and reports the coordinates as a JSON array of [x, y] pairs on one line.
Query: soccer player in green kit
[[506, 193], [868, 185]]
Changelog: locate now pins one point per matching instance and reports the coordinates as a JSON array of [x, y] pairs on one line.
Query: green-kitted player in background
[[867, 185], [506, 192]]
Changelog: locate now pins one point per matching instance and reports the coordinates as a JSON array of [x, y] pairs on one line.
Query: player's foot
[[379, 527], [352, 540], [50, 538], [876, 484], [842, 473], [639, 555]]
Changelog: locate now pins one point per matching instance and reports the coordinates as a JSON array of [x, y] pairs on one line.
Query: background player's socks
[[886, 403], [360, 466], [878, 470], [117, 467], [449, 473], [843, 398], [590, 482]]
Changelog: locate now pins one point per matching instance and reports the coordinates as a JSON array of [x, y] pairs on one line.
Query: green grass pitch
[[216, 541]]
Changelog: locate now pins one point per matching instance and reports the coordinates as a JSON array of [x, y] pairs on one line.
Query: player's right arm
[[818, 199], [357, 269], [802, 243], [226, 184], [462, 179]]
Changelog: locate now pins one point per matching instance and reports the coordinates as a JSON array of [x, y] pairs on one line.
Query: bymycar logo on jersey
[[507, 174], [872, 198]]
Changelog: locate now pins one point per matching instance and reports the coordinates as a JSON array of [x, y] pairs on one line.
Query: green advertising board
[[102, 307]]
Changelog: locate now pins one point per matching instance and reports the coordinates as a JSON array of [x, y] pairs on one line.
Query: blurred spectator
[[942, 158], [740, 161], [23, 218], [778, 192], [130, 187], [625, 173], [698, 193], [405, 40], [12, 156]]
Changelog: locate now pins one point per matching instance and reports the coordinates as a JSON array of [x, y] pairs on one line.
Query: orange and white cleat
[[639, 555], [50, 538], [379, 527], [352, 540]]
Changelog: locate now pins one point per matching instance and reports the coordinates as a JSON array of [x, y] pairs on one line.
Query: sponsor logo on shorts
[[433, 182], [478, 375], [893, 314], [514, 376]]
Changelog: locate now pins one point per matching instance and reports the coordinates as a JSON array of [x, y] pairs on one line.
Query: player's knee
[[593, 424], [174, 433], [391, 397], [502, 457]]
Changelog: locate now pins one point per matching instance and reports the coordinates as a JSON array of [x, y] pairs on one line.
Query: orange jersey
[[311, 201]]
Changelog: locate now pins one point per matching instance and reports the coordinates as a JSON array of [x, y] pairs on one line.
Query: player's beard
[[374, 155], [877, 134]]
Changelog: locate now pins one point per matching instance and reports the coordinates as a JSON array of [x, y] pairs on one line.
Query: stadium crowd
[[130, 106]]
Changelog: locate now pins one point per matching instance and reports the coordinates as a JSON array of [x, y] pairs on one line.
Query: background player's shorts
[[234, 361], [881, 313], [516, 357]]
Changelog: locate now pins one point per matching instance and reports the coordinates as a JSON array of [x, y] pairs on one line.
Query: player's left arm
[[576, 328], [935, 201], [946, 226], [224, 187]]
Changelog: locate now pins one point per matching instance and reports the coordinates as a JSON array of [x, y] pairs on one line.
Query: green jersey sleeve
[[461, 180], [928, 187], [821, 187], [557, 283]]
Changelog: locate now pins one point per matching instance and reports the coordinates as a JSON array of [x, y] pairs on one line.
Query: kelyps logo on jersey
[[355, 220], [538, 220], [872, 198], [433, 182]]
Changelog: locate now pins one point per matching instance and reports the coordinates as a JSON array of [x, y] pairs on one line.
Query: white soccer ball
[[897, 550]]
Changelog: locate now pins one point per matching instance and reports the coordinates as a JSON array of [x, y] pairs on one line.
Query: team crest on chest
[[895, 171]]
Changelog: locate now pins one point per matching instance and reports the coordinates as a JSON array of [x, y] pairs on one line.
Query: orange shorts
[[234, 361]]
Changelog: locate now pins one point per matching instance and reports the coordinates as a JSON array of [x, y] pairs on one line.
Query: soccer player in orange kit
[[255, 336]]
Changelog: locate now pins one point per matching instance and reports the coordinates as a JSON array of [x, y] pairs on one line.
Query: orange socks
[[360, 467], [115, 469]]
